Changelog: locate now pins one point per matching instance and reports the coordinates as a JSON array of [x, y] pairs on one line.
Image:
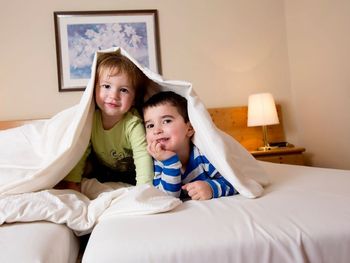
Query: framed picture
[[80, 34]]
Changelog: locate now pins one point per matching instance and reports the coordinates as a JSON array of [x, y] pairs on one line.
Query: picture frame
[[79, 34]]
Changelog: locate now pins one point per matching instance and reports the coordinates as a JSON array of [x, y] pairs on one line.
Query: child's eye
[[165, 121], [106, 86], [124, 90], [149, 126]]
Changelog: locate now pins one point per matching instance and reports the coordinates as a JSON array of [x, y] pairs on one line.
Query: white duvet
[[35, 157], [81, 211]]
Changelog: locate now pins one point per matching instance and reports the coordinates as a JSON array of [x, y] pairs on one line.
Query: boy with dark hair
[[179, 165]]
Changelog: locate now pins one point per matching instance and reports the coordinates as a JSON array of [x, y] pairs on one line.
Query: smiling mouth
[[113, 105], [162, 140]]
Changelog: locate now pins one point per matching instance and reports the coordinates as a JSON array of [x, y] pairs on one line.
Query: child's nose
[[157, 130], [114, 94]]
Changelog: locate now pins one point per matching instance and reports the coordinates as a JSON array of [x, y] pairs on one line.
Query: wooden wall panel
[[233, 121]]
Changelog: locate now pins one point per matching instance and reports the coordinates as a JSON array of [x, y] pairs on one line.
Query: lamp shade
[[261, 110]]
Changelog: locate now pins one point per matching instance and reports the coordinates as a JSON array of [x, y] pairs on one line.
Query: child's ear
[[190, 130]]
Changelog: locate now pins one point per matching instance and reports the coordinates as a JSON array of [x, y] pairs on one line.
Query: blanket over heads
[[38, 155]]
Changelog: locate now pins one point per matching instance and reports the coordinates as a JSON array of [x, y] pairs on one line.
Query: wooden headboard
[[12, 124], [233, 121]]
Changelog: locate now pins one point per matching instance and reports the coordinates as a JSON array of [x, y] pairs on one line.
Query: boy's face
[[167, 127], [114, 94]]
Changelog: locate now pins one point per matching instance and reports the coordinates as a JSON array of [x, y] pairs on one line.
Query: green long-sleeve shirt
[[118, 147]]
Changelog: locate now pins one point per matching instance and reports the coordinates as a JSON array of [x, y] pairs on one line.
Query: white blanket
[[37, 156], [80, 213]]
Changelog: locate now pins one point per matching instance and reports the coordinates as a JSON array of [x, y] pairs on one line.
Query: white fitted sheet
[[44, 242], [303, 216]]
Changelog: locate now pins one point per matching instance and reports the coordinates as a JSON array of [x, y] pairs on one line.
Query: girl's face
[[114, 94], [165, 125]]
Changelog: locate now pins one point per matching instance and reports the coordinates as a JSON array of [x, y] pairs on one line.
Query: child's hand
[[198, 190], [157, 151]]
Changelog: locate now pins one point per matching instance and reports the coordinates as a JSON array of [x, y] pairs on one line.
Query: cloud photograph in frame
[[80, 34]]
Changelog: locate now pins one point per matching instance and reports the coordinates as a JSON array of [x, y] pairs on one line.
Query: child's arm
[[167, 169], [168, 176], [220, 186], [214, 186], [142, 160], [210, 188]]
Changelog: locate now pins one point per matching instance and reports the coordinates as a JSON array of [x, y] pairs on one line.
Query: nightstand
[[287, 155]]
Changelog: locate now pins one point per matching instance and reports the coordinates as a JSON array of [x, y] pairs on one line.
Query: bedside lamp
[[262, 112]]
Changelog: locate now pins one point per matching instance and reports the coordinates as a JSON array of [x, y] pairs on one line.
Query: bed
[[284, 213], [38, 241], [304, 216]]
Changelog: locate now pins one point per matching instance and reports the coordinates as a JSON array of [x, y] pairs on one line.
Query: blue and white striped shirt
[[168, 176]]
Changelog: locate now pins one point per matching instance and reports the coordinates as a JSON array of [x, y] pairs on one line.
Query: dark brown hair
[[174, 99]]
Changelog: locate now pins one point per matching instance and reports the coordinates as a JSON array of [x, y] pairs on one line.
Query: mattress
[[37, 242], [303, 216]]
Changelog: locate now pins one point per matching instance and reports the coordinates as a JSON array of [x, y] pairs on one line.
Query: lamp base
[[267, 148]]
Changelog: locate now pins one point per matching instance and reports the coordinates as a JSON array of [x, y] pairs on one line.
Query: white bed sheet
[[304, 216], [37, 242]]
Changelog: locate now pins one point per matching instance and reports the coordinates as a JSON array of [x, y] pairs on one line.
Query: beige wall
[[319, 52], [227, 49]]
